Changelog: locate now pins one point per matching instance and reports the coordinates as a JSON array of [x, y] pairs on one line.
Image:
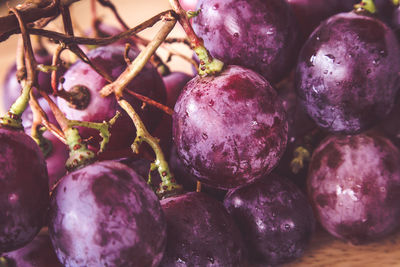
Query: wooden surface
[[324, 249]]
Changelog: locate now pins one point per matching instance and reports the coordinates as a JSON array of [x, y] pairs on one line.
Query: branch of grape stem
[[150, 101], [29, 13], [208, 64], [56, 62], [140, 61], [168, 183]]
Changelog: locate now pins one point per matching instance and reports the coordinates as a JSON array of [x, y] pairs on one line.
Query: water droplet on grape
[[211, 103], [215, 7], [236, 35], [368, 71], [204, 136], [210, 259], [312, 59], [325, 71], [270, 32], [318, 38]]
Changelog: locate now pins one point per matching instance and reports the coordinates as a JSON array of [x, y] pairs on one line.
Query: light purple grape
[[24, 195], [106, 215], [354, 186]]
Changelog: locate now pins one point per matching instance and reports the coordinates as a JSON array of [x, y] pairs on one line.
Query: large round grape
[[24, 194], [257, 34], [106, 215], [354, 186], [275, 218], [229, 129], [200, 233], [348, 72], [110, 59]]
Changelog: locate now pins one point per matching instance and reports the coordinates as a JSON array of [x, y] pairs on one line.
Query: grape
[[105, 215], [200, 233], [310, 13], [275, 218], [229, 129], [188, 4], [38, 253], [354, 186], [260, 35], [24, 196], [111, 60], [347, 74]]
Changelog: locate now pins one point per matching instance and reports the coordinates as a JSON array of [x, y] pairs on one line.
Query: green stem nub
[[301, 155], [79, 154], [208, 65], [365, 5], [191, 14], [46, 146]]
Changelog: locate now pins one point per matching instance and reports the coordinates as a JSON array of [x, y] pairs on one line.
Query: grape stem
[[168, 184], [13, 116], [140, 61], [111, 6], [208, 64], [365, 5]]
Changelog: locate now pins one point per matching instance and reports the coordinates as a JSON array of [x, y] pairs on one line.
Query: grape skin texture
[[354, 186], [229, 129], [347, 74], [257, 34], [111, 60], [24, 196], [275, 218], [200, 233], [105, 215], [38, 253]]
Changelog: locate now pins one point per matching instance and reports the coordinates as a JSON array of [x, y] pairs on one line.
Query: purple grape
[[275, 218], [111, 60], [310, 13], [24, 196], [229, 129], [347, 74], [105, 215], [354, 186], [38, 253], [200, 233], [260, 35]]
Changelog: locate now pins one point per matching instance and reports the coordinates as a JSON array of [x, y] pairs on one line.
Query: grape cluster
[[290, 124]]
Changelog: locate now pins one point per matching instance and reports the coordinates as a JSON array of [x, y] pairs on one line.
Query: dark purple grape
[[310, 13], [38, 253], [260, 35], [200, 233], [274, 217], [24, 194], [348, 72], [111, 60], [106, 215], [229, 129], [354, 186]]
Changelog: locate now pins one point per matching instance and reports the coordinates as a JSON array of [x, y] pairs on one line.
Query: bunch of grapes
[[287, 121]]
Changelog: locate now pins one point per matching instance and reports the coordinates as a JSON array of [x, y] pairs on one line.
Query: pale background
[[324, 250]]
